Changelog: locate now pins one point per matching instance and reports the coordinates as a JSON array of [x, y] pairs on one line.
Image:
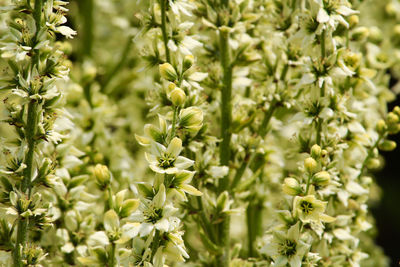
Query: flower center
[[166, 161], [288, 248], [306, 207], [153, 215]]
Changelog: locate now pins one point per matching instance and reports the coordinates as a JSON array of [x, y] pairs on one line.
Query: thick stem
[[86, 13], [112, 255], [226, 105], [31, 129], [223, 260], [253, 216], [86, 10], [21, 237], [30, 132], [164, 28]]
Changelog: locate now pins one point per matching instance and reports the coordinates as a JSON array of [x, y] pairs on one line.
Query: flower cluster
[[194, 133], [33, 71]]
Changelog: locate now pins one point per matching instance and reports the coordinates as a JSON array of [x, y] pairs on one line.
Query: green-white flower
[[167, 160]]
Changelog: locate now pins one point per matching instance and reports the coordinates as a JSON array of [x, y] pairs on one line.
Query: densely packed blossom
[[194, 133]]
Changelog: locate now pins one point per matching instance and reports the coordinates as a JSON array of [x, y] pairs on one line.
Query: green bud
[[315, 151], [322, 178], [375, 34], [392, 118], [353, 20], [387, 145], [310, 164], [360, 33], [373, 163], [188, 62], [381, 126], [102, 175], [291, 187], [178, 96], [168, 72], [191, 118], [390, 9], [396, 110]]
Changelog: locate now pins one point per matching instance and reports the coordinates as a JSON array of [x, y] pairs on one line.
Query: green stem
[[37, 14], [21, 237], [223, 260], [263, 129], [155, 244], [323, 52], [31, 129], [30, 136], [164, 28], [110, 200], [253, 216], [308, 183], [173, 131], [226, 106], [86, 10], [112, 255], [319, 130]]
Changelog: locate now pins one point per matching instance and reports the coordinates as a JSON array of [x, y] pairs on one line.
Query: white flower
[[331, 12], [167, 160], [309, 209], [285, 248], [156, 214]]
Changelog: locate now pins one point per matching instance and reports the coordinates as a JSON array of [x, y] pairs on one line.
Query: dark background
[[387, 212]]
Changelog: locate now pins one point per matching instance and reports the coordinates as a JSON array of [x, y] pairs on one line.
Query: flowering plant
[[194, 133]]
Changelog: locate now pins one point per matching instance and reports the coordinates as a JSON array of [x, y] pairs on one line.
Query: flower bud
[[188, 61], [360, 33], [390, 9], [392, 118], [170, 88], [178, 96], [375, 34], [102, 175], [396, 110], [381, 126], [291, 187], [310, 164], [353, 20], [387, 145], [373, 163], [315, 151], [322, 178], [191, 118], [168, 72]]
